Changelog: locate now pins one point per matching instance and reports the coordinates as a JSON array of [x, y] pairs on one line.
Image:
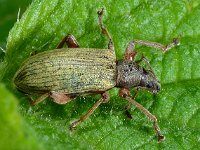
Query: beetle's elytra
[[65, 73], [73, 71]]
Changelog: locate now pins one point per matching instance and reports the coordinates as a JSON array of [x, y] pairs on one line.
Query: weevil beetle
[[65, 73]]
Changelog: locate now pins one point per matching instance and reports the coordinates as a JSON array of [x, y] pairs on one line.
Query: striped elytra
[[69, 71]]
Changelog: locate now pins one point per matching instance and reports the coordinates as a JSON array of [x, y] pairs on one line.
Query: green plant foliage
[[14, 131], [46, 22], [8, 13]]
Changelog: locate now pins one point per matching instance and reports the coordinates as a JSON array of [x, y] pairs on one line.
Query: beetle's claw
[[176, 41], [128, 114], [73, 125], [100, 12], [72, 128], [161, 138]]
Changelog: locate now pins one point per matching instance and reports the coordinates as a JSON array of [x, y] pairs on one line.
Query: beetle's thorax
[[130, 74]]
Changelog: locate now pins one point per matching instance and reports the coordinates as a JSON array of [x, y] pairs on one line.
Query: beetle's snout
[[156, 88], [153, 86]]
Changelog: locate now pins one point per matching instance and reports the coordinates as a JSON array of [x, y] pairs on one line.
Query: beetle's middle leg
[[70, 41], [104, 29], [58, 98], [105, 97]]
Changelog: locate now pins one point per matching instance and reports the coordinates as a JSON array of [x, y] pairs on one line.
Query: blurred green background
[[8, 16]]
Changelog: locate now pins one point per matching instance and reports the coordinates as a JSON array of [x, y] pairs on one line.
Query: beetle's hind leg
[[70, 41], [58, 98], [103, 99], [104, 29], [38, 100]]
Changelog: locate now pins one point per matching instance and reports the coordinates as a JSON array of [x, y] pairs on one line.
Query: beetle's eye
[[150, 85]]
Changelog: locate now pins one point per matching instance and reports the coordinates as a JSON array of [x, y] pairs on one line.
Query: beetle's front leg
[[105, 97], [127, 107], [125, 93], [58, 98], [70, 41], [131, 52]]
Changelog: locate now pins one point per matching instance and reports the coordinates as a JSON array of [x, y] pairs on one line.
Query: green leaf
[[9, 10], [46, 22], [13, 128]]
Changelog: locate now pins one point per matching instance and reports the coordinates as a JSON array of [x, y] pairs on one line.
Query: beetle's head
[[149, 81], [130, 74]]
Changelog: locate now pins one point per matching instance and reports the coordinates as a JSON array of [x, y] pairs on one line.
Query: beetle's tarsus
[[100, 12], [175, 42], [126, 110], [128, 114], [104, 98], [161, 138], [73, 125]]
